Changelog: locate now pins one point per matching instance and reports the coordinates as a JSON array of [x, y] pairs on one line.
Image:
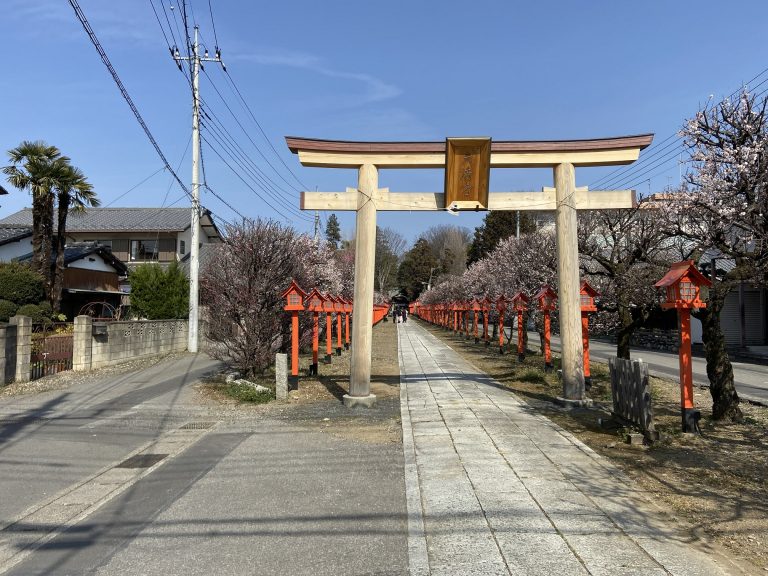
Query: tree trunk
[[61, 241], [624, 335], [725, 400]]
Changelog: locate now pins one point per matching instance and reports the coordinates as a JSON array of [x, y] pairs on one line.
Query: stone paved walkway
[[494, 488]]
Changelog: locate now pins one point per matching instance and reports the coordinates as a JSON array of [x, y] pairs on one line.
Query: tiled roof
[[78, 250], [207, 253], [13, 233], [115, 219]]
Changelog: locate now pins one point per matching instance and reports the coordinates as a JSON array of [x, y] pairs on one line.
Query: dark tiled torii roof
[[10, 234], [79, 250], [115, 219]]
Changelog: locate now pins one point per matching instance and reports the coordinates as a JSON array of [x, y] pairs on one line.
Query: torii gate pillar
[[568, 285], [362, 314]]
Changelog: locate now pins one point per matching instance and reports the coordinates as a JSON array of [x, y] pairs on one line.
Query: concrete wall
[[125, 341], [15, 350]]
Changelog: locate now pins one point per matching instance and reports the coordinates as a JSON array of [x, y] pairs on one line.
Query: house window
[[144, 250], [182, 247], [107, 243]]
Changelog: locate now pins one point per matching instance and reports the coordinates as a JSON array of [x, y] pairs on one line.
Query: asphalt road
[[232, 492], [751, 379]]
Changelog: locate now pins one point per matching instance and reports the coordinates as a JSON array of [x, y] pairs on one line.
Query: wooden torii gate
[[467, 162]]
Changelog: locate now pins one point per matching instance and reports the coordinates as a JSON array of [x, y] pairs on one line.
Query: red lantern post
[[465, 307], [347, 312], [588, 294], [684, 284], [294, 303], [315, 305], [338, 306], [520, 305], [328, 309], [501, 307], [475, 312], [455, 310], [546, 298], [486, 305]]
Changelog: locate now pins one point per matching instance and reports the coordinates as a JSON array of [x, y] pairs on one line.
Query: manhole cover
[[141, 461], [197, 425]]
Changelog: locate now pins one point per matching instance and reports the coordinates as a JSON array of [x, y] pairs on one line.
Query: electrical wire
[[132, 188]]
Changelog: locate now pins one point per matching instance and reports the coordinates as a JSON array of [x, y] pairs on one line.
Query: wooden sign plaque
[[467, 173]]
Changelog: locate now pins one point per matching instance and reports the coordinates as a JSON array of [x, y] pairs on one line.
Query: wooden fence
[[631, 391]]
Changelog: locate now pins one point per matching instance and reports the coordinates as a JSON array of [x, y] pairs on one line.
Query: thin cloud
[[376, 89]]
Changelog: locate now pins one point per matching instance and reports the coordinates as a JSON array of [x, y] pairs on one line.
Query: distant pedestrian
[[405, 315]]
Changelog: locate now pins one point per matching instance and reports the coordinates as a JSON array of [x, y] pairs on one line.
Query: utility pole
[[194, 252], [317, 226], [517, 233]]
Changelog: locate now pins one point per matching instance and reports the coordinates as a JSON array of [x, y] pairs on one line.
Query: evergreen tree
[[333, 231], [416, 268], [496, 227], [158, 294]]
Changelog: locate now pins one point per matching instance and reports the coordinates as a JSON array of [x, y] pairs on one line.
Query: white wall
[[92, 262], [15, 249]]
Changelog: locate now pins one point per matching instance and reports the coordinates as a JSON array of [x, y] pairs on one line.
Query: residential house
[[15, 241], [134, 235], [91, 274]]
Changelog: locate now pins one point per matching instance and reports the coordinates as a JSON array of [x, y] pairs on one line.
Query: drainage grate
[[141, 461], [197, 425]]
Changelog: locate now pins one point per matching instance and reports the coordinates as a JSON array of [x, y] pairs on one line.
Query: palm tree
[[51, 179], [74, 193], [34, 168]]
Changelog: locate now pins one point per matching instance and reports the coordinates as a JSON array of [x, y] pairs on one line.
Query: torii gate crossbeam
[[565, 199]]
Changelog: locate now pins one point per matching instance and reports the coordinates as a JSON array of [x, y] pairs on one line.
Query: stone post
[[82, 344], [23, 346], [568, 284], [362, 314], [5, 346], [281, 376]]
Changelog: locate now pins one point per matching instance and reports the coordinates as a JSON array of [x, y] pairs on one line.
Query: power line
[[213, 25], [105, 59], [246, 133], [255, 121], [629, 172], [132, 188], [123, 91], [255, 177]]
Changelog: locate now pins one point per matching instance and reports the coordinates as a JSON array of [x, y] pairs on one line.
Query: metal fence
[[52, 346]]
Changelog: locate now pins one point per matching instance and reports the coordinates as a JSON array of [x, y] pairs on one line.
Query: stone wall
[[115, 342], [15, 349], [652, 339]]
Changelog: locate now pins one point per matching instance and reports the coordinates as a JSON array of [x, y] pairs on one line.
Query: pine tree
[[333, 231]]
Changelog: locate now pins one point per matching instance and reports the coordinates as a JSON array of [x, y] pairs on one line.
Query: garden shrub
[[159, 294], [7, 309], [20, 284]]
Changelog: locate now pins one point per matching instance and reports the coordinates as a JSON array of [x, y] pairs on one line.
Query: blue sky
[[399, 70]]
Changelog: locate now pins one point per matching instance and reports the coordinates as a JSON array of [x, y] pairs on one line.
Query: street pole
[[194, 252]]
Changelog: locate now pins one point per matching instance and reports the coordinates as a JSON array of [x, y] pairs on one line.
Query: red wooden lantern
[[476, 307], [501, 307], [588, 294], [347, 311], [520, 305], [328, 308], [338, 307], [315, 304], [685, 289], [466, 306], [294, 303], [546, 299], [486, 306]]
